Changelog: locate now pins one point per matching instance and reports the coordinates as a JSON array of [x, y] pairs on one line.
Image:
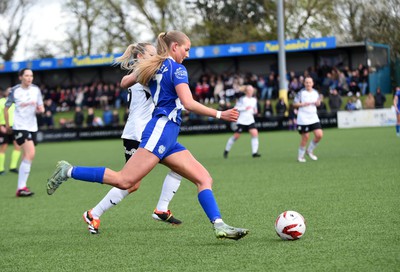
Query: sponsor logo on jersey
[[180, 73], [161, 149]]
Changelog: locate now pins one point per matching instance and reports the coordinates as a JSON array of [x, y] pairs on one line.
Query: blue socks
[[209, 205], [397, 128], [91, 174]]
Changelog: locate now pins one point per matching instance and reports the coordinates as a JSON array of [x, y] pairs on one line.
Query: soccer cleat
[[312, 156], [301, 159], [58, 177], [14, 170], [166, 217], [24, 192], [226, 154], [256, 155], [93, 224], [224, 231]]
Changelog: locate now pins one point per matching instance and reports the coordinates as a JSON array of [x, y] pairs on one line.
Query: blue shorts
[[160, 137]]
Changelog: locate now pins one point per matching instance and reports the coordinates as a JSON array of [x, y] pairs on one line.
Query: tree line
[[108, 26]]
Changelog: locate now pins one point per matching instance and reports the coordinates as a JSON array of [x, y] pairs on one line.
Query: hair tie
[[165, 34]]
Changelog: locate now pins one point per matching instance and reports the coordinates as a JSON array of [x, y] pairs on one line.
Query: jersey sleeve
[[10, 99], [297, 98], [39, 98], [180, 75]]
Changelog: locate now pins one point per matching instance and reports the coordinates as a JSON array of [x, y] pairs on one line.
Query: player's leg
[[231, 141], [170, 186], [302, 148], [15, 155], [318, 134], [254, 142], [3, 149], [398, 123], [138, 166], [186, 165], [28, 154]]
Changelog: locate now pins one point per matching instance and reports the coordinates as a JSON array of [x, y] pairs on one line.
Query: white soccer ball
[[290, 225]]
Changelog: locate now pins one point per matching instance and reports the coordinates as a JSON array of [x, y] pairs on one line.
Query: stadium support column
[[283, 92]]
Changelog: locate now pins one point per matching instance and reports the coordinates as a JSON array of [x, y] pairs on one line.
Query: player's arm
[[128, 80], [6, 118], [395, 102], [190, 104]]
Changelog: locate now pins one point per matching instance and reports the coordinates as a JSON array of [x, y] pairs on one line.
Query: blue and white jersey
[[398, 99], [162, 88]]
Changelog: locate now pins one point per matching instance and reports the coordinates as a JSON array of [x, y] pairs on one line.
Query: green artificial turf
[[349, 198]]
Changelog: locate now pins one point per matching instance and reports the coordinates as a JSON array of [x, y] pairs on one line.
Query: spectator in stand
[[380, 99], [219, 89], [342, 83], [335, 101], [78, 117], [280, 107], [210, 92], [49, 111], [363, 84], [107, 116], [271, 86], [354, 81], [205, 88], [322, 106], [198, 92], [262, 87], [90, 97], [268, 109], [350, 105], [115, 119], [80, 96], [90, 117], [357, 102], [369, 102]]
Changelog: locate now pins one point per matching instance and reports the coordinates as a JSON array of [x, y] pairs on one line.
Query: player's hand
[[3, 129], [230, 115]]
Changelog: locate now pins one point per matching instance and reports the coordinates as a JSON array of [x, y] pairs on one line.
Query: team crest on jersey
[[161, 149], [180, 73]]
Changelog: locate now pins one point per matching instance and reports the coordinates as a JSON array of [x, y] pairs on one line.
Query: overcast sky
[[46, 22]]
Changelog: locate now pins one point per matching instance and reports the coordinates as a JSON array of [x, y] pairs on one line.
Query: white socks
[[23, 173], [171, 184], [254, 145], [229, 144], [302, 151], [311, 147], [113, 197]]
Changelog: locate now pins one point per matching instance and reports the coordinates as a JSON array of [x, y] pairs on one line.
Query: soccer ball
[[290, 225]]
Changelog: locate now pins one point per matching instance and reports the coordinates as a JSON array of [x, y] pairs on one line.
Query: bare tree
[[12, 15]]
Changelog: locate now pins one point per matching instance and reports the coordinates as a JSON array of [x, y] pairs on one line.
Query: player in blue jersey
[[168, 81], [396, 103], [140, 107]]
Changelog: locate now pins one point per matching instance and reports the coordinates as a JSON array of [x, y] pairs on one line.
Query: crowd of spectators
[[218, 89]]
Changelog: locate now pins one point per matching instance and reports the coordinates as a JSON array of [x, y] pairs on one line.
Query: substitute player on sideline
[[247, 107], [28, 101], [307, 101]]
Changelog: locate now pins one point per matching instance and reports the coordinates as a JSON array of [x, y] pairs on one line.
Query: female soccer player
[[307, 101], [396, 103], [140, 107], [28, 101], [168, 82], [247, 107], [6, 137]]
